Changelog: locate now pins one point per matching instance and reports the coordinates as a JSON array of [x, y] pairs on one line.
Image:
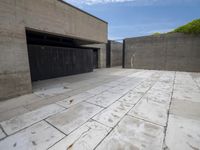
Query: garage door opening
[[53, 56]]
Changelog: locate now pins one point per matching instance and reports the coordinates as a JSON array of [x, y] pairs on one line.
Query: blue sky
[[132, 18]]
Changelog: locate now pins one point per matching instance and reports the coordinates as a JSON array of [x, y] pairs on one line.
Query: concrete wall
[[51, 16], [174, 51], [115, 53]]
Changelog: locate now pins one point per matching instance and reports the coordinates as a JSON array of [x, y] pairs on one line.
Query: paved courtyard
[[108, 109]]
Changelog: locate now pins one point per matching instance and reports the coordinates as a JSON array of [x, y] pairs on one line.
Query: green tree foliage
[[190, 28]]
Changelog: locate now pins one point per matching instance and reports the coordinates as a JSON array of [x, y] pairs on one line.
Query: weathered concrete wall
[[115, 53], [173, 51], [51, 16]]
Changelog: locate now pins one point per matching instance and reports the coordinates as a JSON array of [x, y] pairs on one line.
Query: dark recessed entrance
[[95, 58], [53, 56]]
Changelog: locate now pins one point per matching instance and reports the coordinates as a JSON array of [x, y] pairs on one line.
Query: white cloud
[[135, 2], [92, 2]]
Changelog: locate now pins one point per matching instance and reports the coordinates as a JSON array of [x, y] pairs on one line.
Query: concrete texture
[[67, 121], [39, 136], [2, 134], [86, 137], [54, 17], [116, 49], [174, 51], [17, 123], [132, 133], [152, 114]]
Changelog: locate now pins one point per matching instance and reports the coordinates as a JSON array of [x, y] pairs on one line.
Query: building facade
[[36, 32]]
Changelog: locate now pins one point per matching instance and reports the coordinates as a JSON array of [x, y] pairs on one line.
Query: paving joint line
[[139, 118], [127, 112], [56, 128], [29, 125], [164, 146]]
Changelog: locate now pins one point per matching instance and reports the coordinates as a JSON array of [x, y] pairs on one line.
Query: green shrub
[[190, 28], [156, 33]]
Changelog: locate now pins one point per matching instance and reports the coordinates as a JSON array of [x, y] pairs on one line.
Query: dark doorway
[[53, 56], [108, 55], [95, 58], [49, 62]]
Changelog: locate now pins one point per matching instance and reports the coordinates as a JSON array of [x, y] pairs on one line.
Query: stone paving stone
[[87, 137], [183, 133], [17, 123], [2, 135], [11, 104], [104, 99], [40, 136], [134, 134], [52, 91], [75, 99], [74, 117], [113, 83], [99, 89], [187, 90], [150, 111], [120, 90], [186, 94], [161, 97], [186, 109], [154, 105], [12, 113], [113, 114], [132, 97]]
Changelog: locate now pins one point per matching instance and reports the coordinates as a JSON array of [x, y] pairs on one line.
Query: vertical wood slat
[[50, 62]]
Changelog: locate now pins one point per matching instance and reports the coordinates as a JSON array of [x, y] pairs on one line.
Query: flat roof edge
[[62, 1]]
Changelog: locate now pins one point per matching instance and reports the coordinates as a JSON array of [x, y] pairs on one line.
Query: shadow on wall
[[114, 54]]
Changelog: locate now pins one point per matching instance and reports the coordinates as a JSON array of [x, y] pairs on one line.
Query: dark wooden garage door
[[49, 62]]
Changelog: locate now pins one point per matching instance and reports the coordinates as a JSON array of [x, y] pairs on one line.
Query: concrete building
[[114, 53], [174, 51], [38, 36]]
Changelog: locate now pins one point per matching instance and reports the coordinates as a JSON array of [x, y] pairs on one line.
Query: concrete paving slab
[[73, 100], [99, 89], [153, 86], [183, 133], [132, 97], [148, 83], [183, 91], [12, 113], [87, 137], [132, 83], [187, 95], [150, 111], [20, 122], [45, 101], [113, 114], [197, 80], [10, 104], [134, 134], [2, 134], [40, 136], [52, 91], [159, 96], [185, 109], [119, 90], [104, 99], [67, 121]]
